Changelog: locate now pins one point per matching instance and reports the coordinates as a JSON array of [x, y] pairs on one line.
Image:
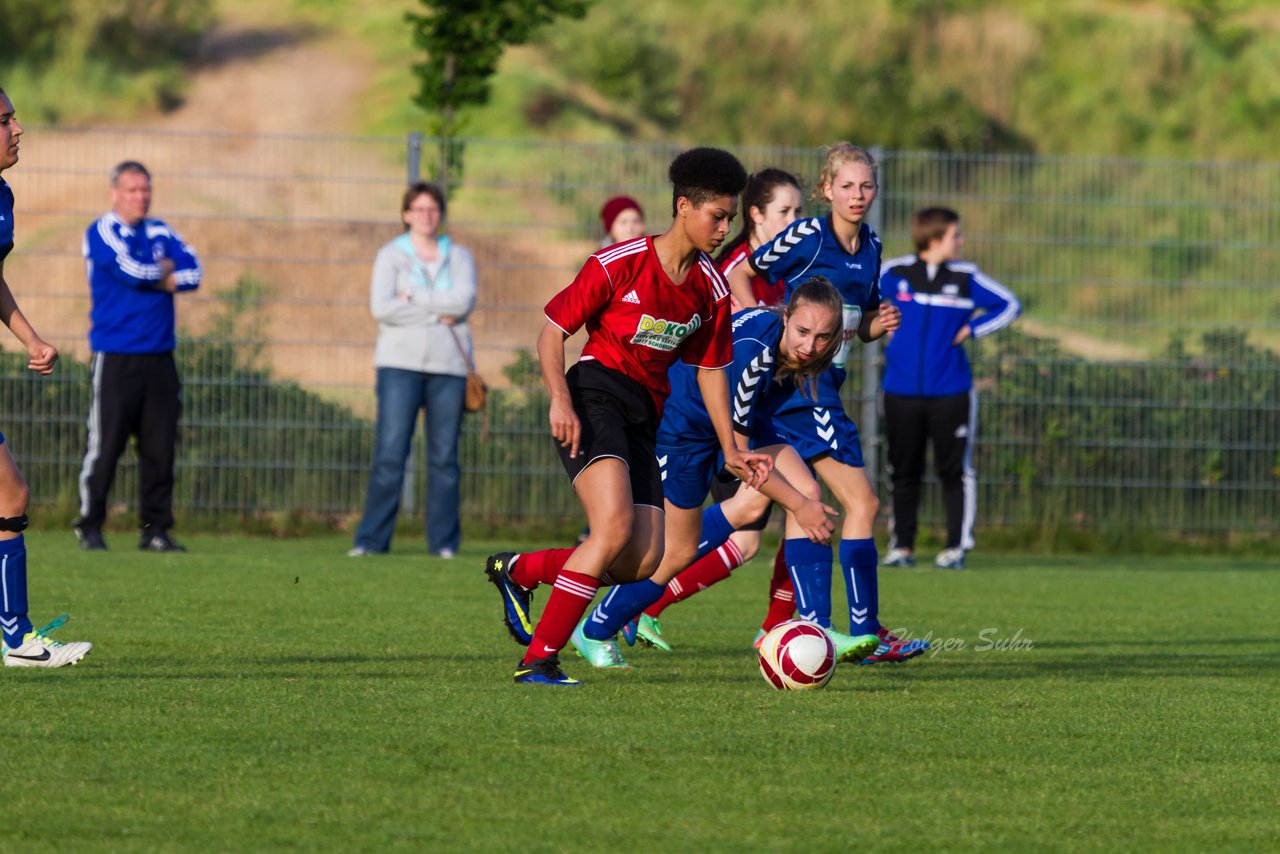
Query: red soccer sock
[[782, 593], [534, 568], [700, 575], [569, 599]]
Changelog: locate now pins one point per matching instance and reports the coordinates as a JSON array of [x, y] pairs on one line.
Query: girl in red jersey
[[644, 303], [771, 202]]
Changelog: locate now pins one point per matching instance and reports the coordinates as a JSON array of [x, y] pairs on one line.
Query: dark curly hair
[[703, 174]]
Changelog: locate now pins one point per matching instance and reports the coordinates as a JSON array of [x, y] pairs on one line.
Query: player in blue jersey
[[843, 248], [21, 645], [775, 356]]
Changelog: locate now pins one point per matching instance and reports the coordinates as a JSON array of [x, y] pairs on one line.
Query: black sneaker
[[544, 671], [516, 600], [154, 540], [90, 539]]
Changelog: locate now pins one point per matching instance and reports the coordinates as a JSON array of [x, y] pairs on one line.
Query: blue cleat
[[516, 600], [544, 671], [629, 631]]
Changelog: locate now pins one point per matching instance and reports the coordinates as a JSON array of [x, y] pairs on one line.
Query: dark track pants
[[133, 395], [949, 423]]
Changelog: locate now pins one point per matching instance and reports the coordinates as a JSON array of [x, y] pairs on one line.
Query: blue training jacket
[[130, 313], [920, 360]]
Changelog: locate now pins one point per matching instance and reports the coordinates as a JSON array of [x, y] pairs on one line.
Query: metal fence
[[1141, 388]]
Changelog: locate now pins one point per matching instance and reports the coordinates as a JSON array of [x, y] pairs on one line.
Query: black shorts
[[724, 486], [620, 420]]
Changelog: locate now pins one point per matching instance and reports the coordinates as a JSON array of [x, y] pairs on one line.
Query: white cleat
[[950, 559], [38, 650]]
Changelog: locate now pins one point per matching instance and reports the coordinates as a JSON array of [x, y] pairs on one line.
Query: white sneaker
[[447, 554], [950, 559], [40, 651], [358, 551], [898, 557]]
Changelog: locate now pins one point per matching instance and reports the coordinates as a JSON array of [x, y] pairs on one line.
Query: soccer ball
[[796, 656]]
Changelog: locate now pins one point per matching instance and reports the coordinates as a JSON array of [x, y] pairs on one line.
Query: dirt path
[[284, 80]]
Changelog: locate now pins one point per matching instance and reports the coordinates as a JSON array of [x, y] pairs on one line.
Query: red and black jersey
[[764, 292], [638, 321]]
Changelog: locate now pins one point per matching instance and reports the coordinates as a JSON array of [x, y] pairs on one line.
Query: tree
[[463, 41]]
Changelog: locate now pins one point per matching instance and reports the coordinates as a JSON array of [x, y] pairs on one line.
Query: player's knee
[[867, 508], [15, 499]]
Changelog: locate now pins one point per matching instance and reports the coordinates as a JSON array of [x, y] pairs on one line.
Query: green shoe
[[649, 632], [852, 648], [603, 654]]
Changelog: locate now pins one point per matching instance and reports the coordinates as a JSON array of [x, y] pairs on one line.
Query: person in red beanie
[[623, 219]]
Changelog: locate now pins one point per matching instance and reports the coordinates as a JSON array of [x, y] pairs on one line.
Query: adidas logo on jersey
[[632, 297]]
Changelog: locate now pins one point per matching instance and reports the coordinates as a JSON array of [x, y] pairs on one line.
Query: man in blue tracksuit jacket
[[928, 387], [135, 265]]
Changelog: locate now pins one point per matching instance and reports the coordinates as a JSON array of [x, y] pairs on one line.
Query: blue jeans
[[401, 394]]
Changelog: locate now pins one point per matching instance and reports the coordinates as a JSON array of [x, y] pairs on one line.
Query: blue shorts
[[687, 474], [816, 432]]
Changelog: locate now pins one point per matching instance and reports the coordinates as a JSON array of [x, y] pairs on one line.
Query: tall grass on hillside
[[1184, 79], [81, 60]]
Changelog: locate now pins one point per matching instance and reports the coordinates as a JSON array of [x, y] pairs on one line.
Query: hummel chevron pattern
[[748, 384], [826, 430], [787, 240]]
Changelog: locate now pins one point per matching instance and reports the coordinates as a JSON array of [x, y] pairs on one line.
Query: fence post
[[414, 151], [869, 424]]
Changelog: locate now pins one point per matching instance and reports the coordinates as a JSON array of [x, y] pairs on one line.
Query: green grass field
[[271, 694]]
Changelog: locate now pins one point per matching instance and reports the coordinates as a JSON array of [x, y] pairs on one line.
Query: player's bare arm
[[41, 355], [565, 427], [739, 280], [875, 324], [751, 468]]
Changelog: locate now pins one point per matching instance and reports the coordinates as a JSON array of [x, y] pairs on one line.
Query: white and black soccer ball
[[797, 655]]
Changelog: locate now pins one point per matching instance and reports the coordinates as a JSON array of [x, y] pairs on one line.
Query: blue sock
[[13, 591], [858, 558], [810, 566], [715, 531], [620, 606]]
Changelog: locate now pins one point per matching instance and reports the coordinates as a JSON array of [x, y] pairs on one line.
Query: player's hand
[[448, 319], [750, 468], [41, 355], [964, 333], [565, 426], [815, 518], [890, 317]]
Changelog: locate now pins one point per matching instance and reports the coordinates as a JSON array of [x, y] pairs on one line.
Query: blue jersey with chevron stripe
[[685, 424], [808, 247]]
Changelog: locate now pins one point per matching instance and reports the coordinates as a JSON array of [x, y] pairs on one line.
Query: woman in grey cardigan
[[423, 289]]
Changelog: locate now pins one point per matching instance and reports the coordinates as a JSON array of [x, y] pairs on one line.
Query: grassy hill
[[1177, 78]]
